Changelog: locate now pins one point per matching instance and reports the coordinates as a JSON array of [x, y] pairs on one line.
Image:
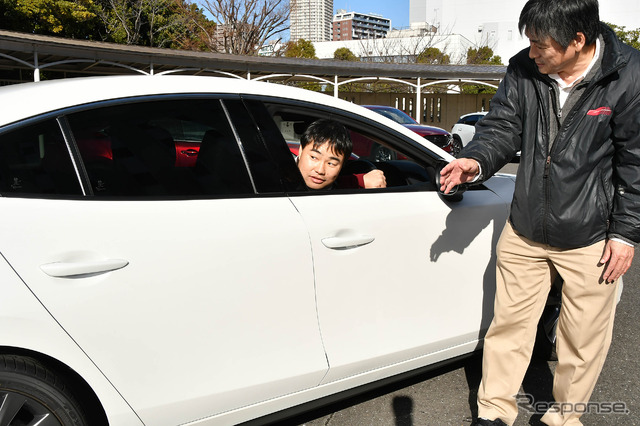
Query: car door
[[401, 273], [193, 294]]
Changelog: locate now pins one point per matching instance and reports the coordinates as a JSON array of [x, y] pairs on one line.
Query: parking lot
[[446, 396]]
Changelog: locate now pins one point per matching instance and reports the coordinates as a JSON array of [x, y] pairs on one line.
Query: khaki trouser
[[525, 271]]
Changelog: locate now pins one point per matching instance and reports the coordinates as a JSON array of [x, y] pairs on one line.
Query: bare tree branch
[[243, 26]]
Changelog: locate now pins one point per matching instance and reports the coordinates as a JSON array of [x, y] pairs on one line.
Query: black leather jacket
[[585, 186]]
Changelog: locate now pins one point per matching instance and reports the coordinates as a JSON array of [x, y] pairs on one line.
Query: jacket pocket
[[605, 203]]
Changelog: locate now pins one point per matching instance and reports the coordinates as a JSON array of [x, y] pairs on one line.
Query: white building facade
[[494, 23], [397, 49], [311, 20]]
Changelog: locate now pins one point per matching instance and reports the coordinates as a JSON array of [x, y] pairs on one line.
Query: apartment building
[[359, 26], [311, 20]]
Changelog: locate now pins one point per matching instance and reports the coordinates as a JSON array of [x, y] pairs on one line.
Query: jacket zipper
[[553, 104], [547, 203]]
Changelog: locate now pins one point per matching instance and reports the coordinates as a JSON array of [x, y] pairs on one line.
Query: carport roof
[[78, 57]]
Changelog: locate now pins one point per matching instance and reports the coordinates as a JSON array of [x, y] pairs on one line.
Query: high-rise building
[[358, 26], [311, 20]]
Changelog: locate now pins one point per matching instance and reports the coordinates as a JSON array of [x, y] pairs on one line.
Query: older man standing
[[571, 104]]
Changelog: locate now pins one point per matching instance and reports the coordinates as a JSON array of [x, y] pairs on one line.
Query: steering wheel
[[357, 167]]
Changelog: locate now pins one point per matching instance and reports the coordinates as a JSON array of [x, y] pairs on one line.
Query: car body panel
[[160, 329], [26, 324], [377, 308]]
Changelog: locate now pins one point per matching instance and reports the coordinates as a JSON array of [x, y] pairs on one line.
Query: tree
[[631, 37], [72, 19], [243, 26], [433, 55], [156, 23], [482, 55], [198, 32], [344, 54], [300, 49]]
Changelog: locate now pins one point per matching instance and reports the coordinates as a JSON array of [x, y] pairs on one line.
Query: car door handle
[[190, 152], [347, 242], [70, 269]]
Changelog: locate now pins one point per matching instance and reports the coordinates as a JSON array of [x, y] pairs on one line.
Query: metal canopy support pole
[[36, 67], [335, 86], [418, 102]]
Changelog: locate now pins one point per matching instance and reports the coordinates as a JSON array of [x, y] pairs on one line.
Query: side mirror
[[456, 192]]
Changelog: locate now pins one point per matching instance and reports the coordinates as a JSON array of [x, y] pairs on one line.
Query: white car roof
[[25, 100]]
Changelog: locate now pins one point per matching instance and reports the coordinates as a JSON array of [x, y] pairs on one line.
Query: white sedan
[[163, 262]]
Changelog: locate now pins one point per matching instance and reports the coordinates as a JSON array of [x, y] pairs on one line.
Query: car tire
[[456, 146], [545, 344], [31, 393]]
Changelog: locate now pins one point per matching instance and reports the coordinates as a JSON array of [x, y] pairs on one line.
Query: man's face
[[550, 57], [319, 165]]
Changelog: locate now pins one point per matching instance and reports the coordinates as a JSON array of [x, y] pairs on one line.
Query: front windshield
[[396, 115]]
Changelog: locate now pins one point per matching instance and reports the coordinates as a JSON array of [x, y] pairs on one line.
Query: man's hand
[[375, 179], [617, 257], [458, 171]]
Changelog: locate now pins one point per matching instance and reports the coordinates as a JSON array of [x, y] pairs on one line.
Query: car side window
[[471, 120], [35, 160], [371, 149], [161, 148]]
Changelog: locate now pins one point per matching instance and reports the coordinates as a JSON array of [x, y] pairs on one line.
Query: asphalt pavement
[[447, 396]]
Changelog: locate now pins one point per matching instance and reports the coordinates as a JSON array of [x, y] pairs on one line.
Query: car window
[[470, 120], [395, 115], [35, 160], [161, 148], [372, 149]]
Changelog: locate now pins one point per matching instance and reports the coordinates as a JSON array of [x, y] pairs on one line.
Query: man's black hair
[[328, 131], [561, 20]]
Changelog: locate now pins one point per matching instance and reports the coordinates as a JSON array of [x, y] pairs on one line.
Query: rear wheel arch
[[55, 375]]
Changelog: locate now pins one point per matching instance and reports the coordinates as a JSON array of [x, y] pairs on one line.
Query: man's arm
[[498, 134], [625, 124], [374, 179]]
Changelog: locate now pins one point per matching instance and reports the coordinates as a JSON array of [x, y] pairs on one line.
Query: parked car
[[435, 135], [465, 127], [137, 289]]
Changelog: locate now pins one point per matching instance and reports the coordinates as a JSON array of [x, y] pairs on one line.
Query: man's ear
[[579, 41]]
